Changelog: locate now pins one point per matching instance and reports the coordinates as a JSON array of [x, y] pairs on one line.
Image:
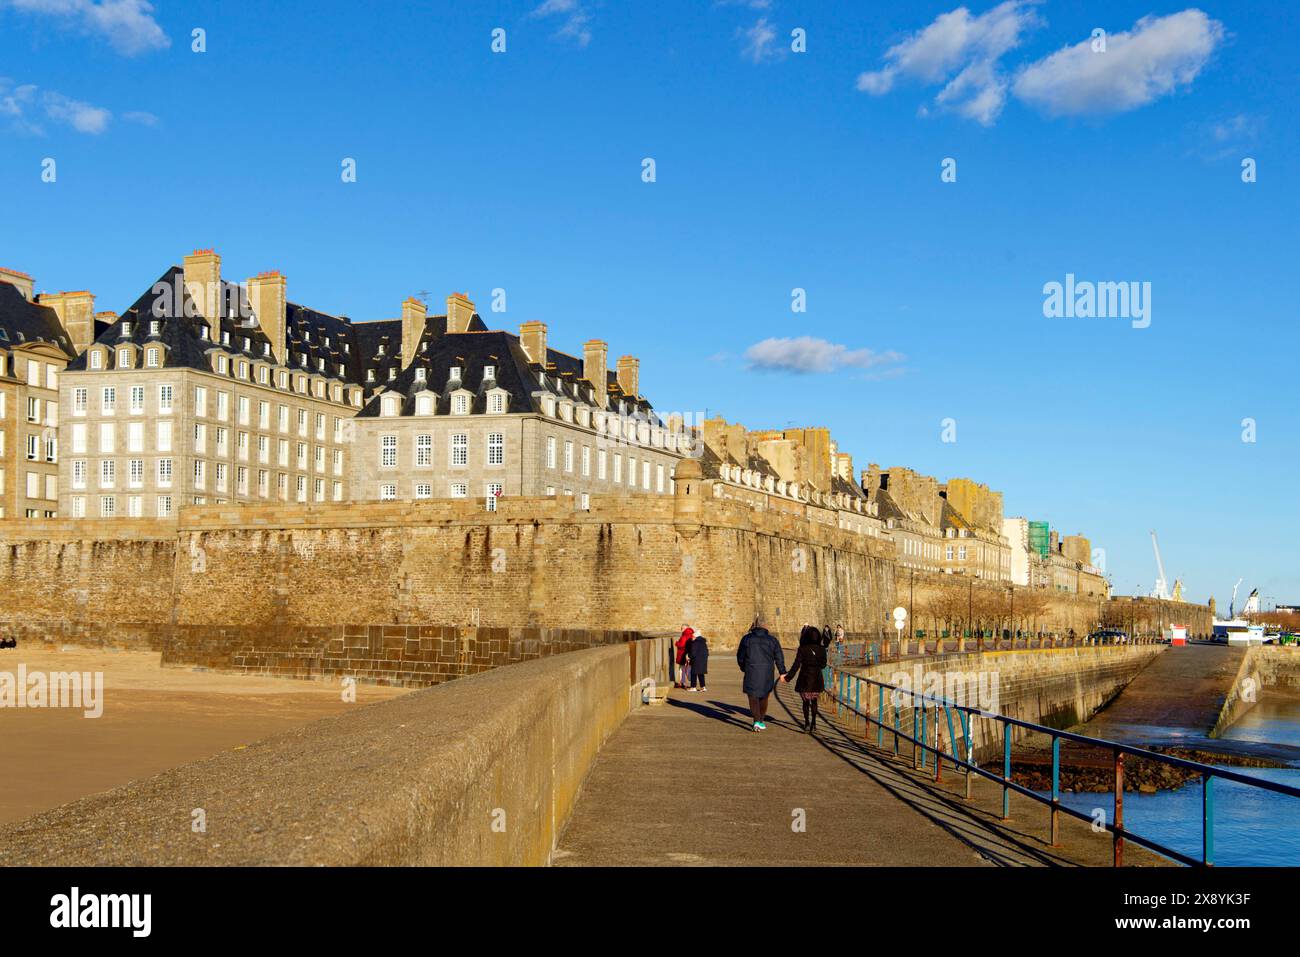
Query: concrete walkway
[[688, 782]]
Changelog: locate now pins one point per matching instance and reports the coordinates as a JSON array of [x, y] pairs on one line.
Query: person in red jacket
[[688, 635]]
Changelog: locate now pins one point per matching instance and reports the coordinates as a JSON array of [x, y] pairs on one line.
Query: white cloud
[[82, 117], [23, 106], [576, 19], [1157, 57], [128, 25], [759, 42], [141, 117], [807, 354], [961, 51]]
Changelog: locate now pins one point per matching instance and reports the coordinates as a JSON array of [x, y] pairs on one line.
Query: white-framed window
[[459, 448], [164, 506], [423, 490], [107, 473], [645, 474], [496, 448], [318, 489], [97, 359], [387, 492], [338, 461], [302, 421], [164, 473], [302, 488], [78, 506], [602, 458], [107, 437], [200, 400], [584, 501], [263, 415], [165, 399], [108, 400], [302, 455], [79, 473], [492, 492], [550, 451], [424, 450], [221, 476], [241, 405], [618, 469], [134, 506], [135, 473], [459, 490], [151, 358], [200, 473], [284, 452], [241, 480], [338, 491], [263, 482], [78, 401], [241, 445], [200, 436], [497, 403], [135, 436], [137, 399], [107, 506], [388, 451], [424, 405], [659, 478], [164, 436], [459, 404], [33, 448], [284, 418], [568, 455], [586, 461]]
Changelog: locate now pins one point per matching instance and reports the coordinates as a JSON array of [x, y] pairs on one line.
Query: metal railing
[[846, 689], [869, 651]]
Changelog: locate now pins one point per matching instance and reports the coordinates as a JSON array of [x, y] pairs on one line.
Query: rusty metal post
[[1119, 807], [1056, 791]]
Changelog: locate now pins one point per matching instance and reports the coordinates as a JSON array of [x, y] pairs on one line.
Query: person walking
[[697, 653], [807, 675], [679, 651], [759, 653]]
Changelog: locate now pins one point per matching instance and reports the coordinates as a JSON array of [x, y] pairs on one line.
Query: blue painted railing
[[847, 690]]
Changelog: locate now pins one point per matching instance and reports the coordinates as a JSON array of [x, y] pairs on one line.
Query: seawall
[[483, 771]]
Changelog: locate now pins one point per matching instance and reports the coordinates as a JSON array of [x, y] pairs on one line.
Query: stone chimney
[[414, 313], [628, 372], [76, 311], [595, 368], [203, 283], [459, 312], [24, 282], [532, 336], [267, 297]]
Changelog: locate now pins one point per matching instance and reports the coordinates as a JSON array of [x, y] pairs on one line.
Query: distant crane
[[1162, 586], [1232, 605]]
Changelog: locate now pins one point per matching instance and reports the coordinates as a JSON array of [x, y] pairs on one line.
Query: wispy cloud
[[806, 355], [1155, 58], [25, 106], [759, 42], [577, 19], [962, 52], [141, 117], [127, 25]]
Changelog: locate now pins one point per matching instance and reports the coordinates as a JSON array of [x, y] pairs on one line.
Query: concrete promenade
[[688, 782]]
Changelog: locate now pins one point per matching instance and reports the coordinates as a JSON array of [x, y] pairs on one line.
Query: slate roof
[[471, 352], [23, 322]]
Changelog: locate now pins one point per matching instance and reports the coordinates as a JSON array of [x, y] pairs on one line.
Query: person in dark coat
[[759, 653], [806, 674], [697, 653]]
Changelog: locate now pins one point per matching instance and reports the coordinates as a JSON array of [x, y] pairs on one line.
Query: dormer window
[[203, 333], [460, 404], [380, 350], [155, 327], [126, 330], [225, 338], [306, 335], [327, 341], [454, 374], [151, 358], [266, 348], [424, 405], [345, 348], [424, 346], [370, 375], [392, 374], [497, 403], [320, 365], [419, 375], [489, 372], [389, 405], [302, 359], [124, 358], [248, 344]]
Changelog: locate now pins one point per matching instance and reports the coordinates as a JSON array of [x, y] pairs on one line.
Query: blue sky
[[775, 170]]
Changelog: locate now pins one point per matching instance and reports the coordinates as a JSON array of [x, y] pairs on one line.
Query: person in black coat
[[806, 674], [759, 653], [697, 652]]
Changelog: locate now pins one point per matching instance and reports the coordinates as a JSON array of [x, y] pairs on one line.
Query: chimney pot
[[532, 336], [628, 375]]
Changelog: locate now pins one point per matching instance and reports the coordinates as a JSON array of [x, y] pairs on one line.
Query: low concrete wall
[[1263, 667], [1057, 687], [479, 771]]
